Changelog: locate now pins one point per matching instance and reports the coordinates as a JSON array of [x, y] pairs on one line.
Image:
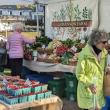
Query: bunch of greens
[[65, 58], [68, 42], [43, 40]]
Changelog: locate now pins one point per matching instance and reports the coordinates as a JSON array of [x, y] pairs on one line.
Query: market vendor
[[15, 48], [90, 71]]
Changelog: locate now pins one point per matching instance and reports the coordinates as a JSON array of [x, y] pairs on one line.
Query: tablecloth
[[48, 67]]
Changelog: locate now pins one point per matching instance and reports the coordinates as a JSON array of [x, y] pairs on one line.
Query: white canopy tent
[[103, 11], [14, 2]]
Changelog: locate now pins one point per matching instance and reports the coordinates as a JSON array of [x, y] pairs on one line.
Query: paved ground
[[69, 105]]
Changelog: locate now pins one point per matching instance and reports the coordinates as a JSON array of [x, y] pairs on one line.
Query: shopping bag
[[107, 84]]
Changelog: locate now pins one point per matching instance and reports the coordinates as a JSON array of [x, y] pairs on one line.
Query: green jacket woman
[[90, 71]]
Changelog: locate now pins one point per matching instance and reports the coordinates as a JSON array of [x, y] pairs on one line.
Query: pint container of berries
[[23, 99], [11, 100], [34, 83], [14, 90], [44, 87], [26, 89], [36, 88], [2, 92], [10, 87], [5, 94], [31, 97], [40, 96], [47, 94]]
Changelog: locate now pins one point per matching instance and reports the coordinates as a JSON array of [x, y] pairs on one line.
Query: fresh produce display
[[44, 40], [54, 44], [65, 58], [55, 51], [28, 53], [61, 50], [68, 42], [36, 45], [20, 91]]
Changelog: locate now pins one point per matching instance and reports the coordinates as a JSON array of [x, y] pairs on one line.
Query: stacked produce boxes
[[19, 91]]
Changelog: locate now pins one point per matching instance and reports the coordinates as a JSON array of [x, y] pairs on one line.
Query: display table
[[48, 67], [53, 103]]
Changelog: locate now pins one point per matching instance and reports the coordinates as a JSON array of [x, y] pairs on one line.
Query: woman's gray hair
[[17, 26], [97, 36]]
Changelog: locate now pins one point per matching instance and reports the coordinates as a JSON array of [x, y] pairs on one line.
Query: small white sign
[[74, 48], [43, 46], [82, 41], [5, 82], [28, 82]]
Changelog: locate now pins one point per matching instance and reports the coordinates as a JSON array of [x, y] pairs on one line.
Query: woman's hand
[[97, 107], [93, 88]]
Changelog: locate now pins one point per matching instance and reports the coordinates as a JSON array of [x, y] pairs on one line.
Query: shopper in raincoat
[[90, 72]]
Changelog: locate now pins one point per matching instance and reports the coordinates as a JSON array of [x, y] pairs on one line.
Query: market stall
[[16, 94], [47, 55]]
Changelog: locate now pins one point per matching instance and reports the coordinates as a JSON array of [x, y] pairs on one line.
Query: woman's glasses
[[104, 42]]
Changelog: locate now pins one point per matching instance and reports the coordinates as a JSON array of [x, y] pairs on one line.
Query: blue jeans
[[107, 105]]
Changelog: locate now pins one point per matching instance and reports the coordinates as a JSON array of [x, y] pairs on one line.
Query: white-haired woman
[[15, 48], [90, 71]]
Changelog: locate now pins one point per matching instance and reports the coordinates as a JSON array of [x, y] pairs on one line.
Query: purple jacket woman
[[15, 45], [15, 48]]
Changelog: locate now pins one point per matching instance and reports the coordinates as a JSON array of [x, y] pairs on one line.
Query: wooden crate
[[53, 103]]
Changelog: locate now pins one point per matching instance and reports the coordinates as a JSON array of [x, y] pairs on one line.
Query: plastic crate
[[71, 81], [57, 86], [71, 95]]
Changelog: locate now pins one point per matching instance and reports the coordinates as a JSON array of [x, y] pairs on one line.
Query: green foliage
[[35, 45], [65, 58], [77, 13], [68, 42], [43, 40], [62, 14], [85, 13], [70, 10]]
